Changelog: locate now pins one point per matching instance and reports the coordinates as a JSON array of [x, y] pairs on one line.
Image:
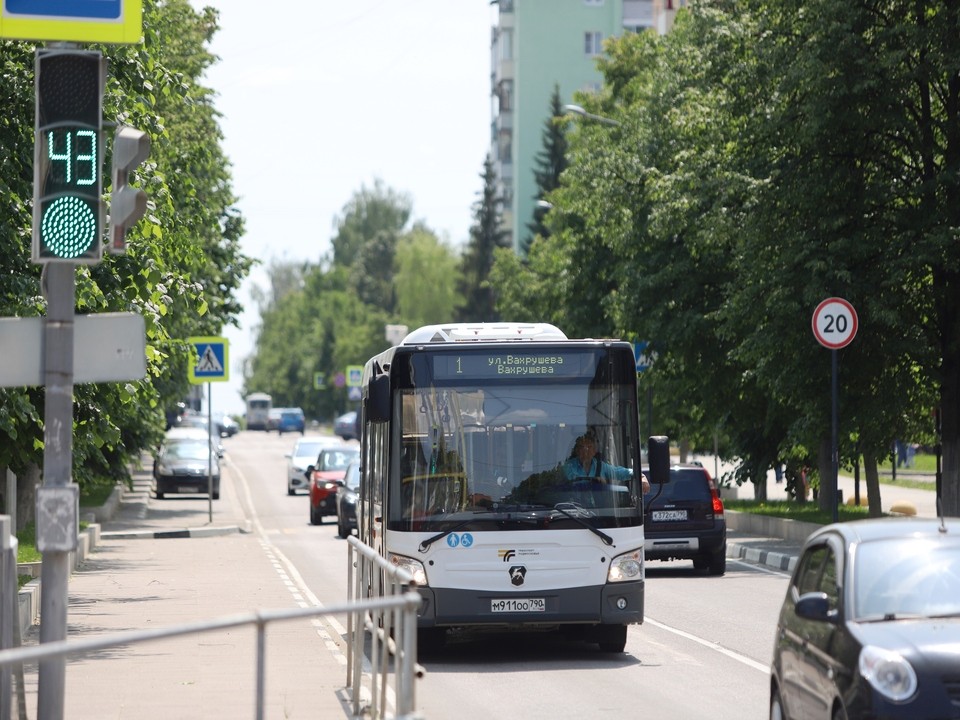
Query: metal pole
[[834, 451], [57, 498], [8, 606], [12, 500], [210, 453]]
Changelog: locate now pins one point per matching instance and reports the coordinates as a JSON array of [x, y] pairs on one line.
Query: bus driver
[[583, 462]]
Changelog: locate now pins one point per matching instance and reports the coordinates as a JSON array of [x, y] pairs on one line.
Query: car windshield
[[907, 577], [683, 484], [352, 478], [308, 449], [337, 459], [186, 451]]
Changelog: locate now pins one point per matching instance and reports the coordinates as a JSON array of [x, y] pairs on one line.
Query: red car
[[325, 476]]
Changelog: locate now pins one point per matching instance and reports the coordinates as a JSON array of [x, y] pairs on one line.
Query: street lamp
[[577, 110]]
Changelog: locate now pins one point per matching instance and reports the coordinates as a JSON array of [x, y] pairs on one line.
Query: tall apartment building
[[537, 45]]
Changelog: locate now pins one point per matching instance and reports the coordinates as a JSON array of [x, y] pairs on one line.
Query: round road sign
[[834, 323]]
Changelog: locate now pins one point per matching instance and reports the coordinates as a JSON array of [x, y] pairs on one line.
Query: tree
[[486, 235], [369, 211], [549, 163], [426, 274]]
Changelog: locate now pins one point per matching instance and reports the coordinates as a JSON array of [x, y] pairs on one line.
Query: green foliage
[[802, 512], [321, 318], [767, 156], [486, 235]]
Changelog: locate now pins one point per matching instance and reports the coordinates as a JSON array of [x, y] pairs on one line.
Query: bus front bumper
[[610, 604]]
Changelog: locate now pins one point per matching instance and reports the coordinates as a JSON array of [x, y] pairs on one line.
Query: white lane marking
[[749, 662]]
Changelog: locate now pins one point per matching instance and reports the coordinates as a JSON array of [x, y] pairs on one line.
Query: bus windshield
[[515, 455]]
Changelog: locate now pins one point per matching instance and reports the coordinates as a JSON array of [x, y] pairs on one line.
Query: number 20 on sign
[[834, 323]]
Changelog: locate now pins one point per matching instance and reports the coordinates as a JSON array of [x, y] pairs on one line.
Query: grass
[[791, 510]]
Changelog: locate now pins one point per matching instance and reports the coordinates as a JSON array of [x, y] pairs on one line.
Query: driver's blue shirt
[[574, 470]]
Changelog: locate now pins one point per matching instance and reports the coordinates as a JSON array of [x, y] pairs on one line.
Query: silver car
[[304, 454]]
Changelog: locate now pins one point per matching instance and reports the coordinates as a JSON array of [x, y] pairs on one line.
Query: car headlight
[[163, 469], [889, 673], [414, 567], [628, 566]]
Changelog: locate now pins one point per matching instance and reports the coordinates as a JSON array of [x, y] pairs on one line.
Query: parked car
[[304, 454], [325, 475], [291, 420], [870, 624], [193, 433], [226, 425], [273, 419], [183, 466], [347, 494], [683, 520], [345, 426]]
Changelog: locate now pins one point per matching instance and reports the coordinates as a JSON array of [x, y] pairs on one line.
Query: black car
[[683, 520], [183, 465], [346, 426], [347, 500], [870, 626]]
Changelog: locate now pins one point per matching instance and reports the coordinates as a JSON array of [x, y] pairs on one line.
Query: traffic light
[[127, 204], [68, 154]]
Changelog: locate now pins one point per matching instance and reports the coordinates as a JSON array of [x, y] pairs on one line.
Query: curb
[[775, 560], [181, 533]]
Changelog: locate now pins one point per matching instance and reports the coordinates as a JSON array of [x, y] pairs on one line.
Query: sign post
[[834, 326], [211, 364]]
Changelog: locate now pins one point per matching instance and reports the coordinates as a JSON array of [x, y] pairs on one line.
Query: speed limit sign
[[834, 323]]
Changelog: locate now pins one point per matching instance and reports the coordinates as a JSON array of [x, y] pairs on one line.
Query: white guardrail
[[389, 612], [392, 632]]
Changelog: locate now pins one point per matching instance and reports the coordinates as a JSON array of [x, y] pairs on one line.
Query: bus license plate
[[662, 515], [518, 605]]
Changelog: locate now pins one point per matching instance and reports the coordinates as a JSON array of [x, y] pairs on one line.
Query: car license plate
[[667, 515], [186, 489], [510, 605]]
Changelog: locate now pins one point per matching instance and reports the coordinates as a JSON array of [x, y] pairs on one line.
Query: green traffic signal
[[68, 213]]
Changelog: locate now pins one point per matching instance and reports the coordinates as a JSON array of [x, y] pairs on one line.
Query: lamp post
[[577, 110]]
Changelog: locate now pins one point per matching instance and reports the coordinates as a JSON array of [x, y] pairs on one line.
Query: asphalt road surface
[[703, 651]]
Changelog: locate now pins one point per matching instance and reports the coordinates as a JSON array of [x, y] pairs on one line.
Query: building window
[[506, 44], [505, 95], [592, 42]]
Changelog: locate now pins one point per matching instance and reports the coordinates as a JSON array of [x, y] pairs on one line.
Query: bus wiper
[[607, 540], [439, 536]]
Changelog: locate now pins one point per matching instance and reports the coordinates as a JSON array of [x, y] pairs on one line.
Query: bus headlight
[[414, 567], [628, 566]]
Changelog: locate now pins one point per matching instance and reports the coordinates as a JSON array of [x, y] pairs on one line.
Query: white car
[[304, 454]]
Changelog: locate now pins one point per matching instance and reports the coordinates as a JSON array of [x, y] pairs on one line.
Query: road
[[703, 651]]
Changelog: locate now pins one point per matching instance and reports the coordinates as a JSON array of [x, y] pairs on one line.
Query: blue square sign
[[79, 9]]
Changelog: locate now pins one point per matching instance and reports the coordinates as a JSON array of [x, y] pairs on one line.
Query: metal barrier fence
[[393, 613], [370, 575]]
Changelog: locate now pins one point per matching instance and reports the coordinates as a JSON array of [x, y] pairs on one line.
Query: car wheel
[[159, 494], [216, 495], [612, 638], [291, 491], [776, 706], [839, 714], [718, 564], [342, 530], [315, 517]]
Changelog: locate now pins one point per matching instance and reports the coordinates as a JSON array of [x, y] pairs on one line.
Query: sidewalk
[[777, 546], [164, 564]]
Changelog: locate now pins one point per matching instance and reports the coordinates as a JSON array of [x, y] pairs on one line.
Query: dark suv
[[683, 520]]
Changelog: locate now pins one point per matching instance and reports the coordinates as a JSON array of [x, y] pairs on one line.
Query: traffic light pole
[[58, 497]]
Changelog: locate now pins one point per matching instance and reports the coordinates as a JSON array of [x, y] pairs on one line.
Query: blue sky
[[321, 98]]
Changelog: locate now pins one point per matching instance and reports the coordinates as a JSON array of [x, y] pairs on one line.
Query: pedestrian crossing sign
[[211, 361]]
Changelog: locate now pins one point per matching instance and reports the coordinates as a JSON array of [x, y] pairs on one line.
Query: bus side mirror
[[658, 455], [378, 400]]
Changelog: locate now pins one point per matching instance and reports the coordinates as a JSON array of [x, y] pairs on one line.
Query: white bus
[[466, 454], [258, 410]]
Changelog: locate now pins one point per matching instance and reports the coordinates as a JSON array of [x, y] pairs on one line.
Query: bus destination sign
[[505, 365]]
